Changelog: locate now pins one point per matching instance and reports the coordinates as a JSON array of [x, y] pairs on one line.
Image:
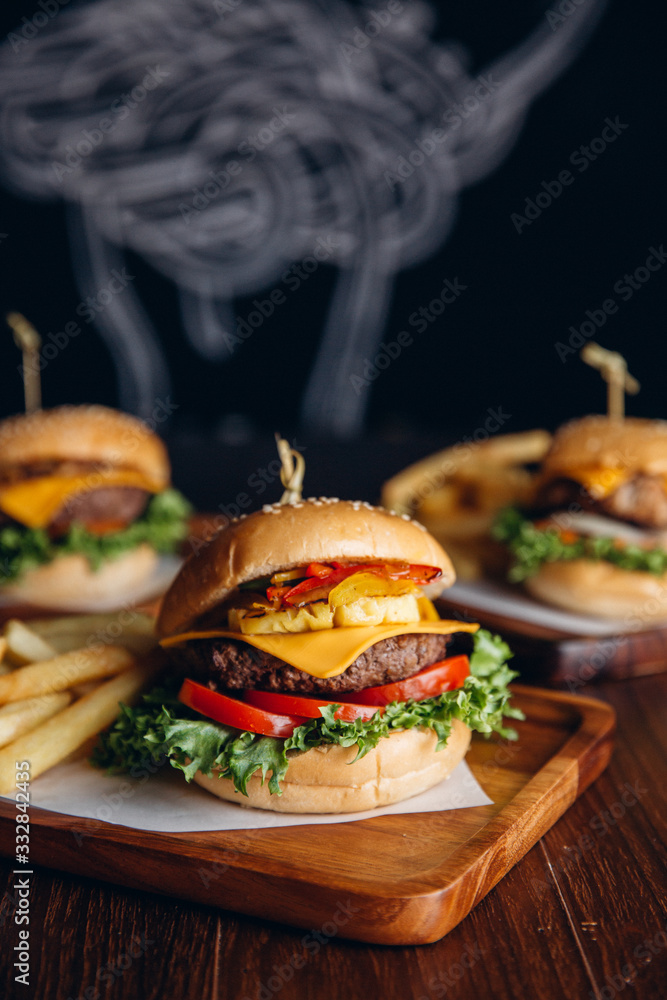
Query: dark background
[[494, 347]]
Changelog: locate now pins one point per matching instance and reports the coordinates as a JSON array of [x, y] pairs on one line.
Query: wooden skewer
[[29, 342], [614, 370], [291, 474]]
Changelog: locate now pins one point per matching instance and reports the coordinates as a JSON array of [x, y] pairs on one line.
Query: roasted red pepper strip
[[316, 587]]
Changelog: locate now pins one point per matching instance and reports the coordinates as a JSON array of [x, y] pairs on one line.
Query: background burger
[[312, 653], [85, 506], [595, 538]]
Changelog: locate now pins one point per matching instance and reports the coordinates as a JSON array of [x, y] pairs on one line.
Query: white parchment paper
[[165, 803]]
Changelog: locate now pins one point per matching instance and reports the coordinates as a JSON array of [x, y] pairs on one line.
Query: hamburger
[[595, 537], [85, 506], [310, 671]]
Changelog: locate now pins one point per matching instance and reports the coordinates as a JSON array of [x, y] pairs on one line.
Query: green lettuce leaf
[[161, 727], [163, 525], [531, 547]]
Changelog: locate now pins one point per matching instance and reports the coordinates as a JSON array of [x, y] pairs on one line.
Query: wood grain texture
[[562, 923], [391, 879]]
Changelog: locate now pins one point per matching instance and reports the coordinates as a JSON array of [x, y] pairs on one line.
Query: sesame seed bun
[[283, 536], [84, 434], [634, 444]]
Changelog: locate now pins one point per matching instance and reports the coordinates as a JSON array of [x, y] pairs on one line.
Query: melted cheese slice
[[600, 483], [35, 502], [327, 652]]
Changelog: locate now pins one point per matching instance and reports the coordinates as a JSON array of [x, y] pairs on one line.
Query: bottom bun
[[602, 589], [324, 780], [69, 584]]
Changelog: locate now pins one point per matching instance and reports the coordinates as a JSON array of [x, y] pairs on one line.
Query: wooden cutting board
[[390, 880], [556, 658]]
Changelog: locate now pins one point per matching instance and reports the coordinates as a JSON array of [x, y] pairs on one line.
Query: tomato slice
[[310, 707], [446, 675], [272, 714], [232, 712]]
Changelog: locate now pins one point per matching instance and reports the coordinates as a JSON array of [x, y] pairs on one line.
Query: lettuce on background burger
[[85, 505], [311, 672], [595, 538]]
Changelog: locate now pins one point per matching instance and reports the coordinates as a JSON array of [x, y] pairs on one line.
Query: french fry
[[80, 689], [405, 491], [5, 665], [457, 492], [64, 672], [24, 645], [56, 739], [21, 716], [123, 628]]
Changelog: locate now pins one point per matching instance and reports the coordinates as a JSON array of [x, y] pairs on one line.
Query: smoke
[[222, 140]]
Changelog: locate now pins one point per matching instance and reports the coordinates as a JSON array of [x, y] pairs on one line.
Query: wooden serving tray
[[406, 879]]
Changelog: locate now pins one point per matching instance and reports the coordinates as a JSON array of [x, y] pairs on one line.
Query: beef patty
[[123, 504], [642, 500], [227, 663]]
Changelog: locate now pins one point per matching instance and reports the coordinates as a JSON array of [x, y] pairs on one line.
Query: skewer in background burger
[[85, 506]]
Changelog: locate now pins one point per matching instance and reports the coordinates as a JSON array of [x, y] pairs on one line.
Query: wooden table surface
[[584, 914]]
